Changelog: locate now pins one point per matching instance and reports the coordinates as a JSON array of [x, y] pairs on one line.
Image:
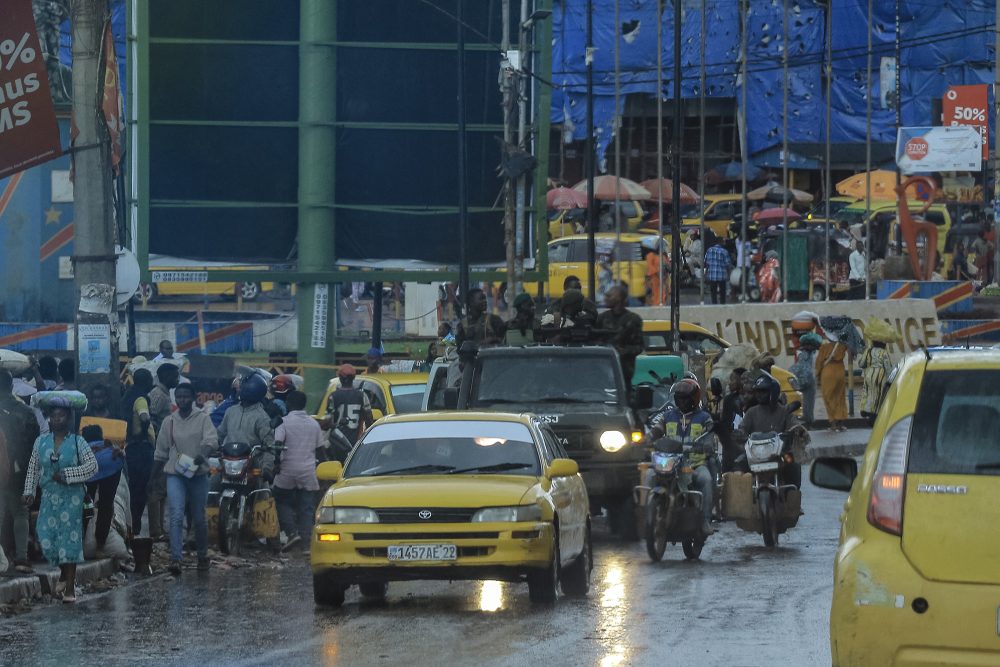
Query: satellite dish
[[126, 275]]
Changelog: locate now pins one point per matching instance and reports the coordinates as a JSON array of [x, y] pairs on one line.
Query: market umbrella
[[778, 193], [883, 185], [663, 190], [562, 199], [775, 215], [606, 187], [730, 172]]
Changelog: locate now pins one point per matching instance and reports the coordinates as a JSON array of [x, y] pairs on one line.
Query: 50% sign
[[13, 53]]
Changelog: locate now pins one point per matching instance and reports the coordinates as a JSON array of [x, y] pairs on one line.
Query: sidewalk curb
[[33, 586]]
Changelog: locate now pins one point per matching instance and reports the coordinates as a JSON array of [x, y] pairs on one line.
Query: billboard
[[968, 105], [928, 149]]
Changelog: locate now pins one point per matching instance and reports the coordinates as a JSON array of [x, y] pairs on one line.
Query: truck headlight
[[346, 515], [508, 514], [612, 441]]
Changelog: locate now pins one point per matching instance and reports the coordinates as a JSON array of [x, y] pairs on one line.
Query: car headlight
[[508, 514], [612, 441], [235, 467], [346, 515]]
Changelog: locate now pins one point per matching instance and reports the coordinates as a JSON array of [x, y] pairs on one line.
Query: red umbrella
[[663, 190], [606, 187], [565, 198], [774, 216]]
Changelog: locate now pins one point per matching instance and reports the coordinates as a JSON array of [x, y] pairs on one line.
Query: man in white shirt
[[859, 269]]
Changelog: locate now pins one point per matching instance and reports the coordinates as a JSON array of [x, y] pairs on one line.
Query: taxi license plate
[[423, 552], [758, 467]]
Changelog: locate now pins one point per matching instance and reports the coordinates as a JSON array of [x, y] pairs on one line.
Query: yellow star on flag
[[52, 216]]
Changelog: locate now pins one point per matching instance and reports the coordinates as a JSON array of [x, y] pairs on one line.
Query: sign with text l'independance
[[29, 134], [926, 149]]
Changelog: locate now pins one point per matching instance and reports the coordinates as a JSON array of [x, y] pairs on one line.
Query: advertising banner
[[928, 149], [29, 134], [968, 106]]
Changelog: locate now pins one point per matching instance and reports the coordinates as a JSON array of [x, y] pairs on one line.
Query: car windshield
[[691, 210], [407, 397], [553, 379], [956, 423], [442, 447], [851, 216], [819, 210]]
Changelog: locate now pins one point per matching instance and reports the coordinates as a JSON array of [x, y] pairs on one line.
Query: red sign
[[111, 100], [968, 105], [29, 134], [916, 148]]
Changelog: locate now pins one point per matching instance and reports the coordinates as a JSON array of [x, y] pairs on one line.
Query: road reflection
[[331, 648], [613, 614], [491, 596]]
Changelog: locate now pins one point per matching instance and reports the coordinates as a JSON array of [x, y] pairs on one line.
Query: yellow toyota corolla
[[453, 495], [917, 574]]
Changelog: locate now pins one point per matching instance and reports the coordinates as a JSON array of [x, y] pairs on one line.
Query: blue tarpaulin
[[949, 42]]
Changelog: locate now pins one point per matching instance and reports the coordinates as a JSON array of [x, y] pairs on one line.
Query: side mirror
[[834, 472], [562, 468], [330, 471], [642, 397], [451, 398]]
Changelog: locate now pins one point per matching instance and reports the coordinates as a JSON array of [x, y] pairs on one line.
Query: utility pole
[[591, 158], [94, 241], [463, 195], [521, 190], [676, 140], [507, 100]]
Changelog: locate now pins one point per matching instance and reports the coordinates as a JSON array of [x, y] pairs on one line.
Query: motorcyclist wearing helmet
[[232, 399], [686, 421], [249, 423], [281, 386], [769, 415]]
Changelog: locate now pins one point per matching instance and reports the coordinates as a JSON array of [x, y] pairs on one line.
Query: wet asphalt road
[[741, 604]]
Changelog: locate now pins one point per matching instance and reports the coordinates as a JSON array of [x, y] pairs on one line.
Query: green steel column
[[317, 145]]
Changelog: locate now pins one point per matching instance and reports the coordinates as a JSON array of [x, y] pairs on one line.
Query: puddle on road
[[613, 614], [491, 596]]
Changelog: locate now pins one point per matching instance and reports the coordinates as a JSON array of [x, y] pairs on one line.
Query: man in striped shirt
[[717, 266]]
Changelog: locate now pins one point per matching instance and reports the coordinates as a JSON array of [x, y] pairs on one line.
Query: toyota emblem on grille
[[424, 514]]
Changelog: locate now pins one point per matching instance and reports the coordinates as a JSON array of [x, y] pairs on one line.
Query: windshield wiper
[[482, 401], [493, 468], [427, 467]]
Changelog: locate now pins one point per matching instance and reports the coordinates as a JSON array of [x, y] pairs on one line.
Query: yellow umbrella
[[883, 185]]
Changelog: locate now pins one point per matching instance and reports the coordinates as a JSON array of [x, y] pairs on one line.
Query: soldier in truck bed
[[626, 327], [479, 326]]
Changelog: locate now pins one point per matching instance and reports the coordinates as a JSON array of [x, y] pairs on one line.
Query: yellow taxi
[[719, 212], [625, 254], [247, 291], [657, 338], [817, 213], [917, 571], [453, 496], [388, 393]]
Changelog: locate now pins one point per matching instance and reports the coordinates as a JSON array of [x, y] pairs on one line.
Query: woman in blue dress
[[61, 463]]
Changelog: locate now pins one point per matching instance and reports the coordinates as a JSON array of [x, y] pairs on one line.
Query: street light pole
[[507, 100], [591, 158], [675, 251], [996, 153], [463, 197]]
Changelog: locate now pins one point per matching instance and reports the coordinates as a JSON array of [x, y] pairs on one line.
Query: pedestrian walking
[[183, 444], [99, 402], [804, 370], [295, 485], [139, 444], [48, 370], [831, 379], [859, 270], [18, 432], [168, 377], [61, 463], [166, 350], [876, 364], [717, 266], [103, 486], [373, 361], [730, 415], [67, 375]]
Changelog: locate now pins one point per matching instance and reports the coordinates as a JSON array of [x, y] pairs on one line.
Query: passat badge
[[424, 514], [942, 488]]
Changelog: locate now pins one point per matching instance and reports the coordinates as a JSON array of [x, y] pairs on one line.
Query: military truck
[[581, 392]]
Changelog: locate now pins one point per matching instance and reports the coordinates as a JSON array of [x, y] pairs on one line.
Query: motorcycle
[[769, 458], [673, 510], [242, 485]]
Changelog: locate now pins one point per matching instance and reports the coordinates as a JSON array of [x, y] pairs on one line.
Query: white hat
[[22, 389]]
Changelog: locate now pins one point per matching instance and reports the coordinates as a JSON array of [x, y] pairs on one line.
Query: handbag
[[183, 464]]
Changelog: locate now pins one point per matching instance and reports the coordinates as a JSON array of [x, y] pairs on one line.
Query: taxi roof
[[387, 378], [458, 415], [962, 358]]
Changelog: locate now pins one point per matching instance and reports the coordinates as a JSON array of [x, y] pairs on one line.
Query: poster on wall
[[94, 345]]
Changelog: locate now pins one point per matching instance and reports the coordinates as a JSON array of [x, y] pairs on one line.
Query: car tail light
[[885, 508]]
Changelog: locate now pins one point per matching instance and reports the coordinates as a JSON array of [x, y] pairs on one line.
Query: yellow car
[[657, 339], [389, 393], [568, 257], [917, 572], [446, 495], [169, 286], [719, 212], [817, 213]]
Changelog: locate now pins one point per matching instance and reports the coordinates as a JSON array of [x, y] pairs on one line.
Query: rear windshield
[[956, 424], [555, 379]]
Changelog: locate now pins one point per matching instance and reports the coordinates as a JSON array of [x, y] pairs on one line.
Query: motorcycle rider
[[349, 411], [769, 415], [248, 422], [686, 421]]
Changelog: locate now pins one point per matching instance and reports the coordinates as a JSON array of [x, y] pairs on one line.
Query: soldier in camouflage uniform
[[627, 328]]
